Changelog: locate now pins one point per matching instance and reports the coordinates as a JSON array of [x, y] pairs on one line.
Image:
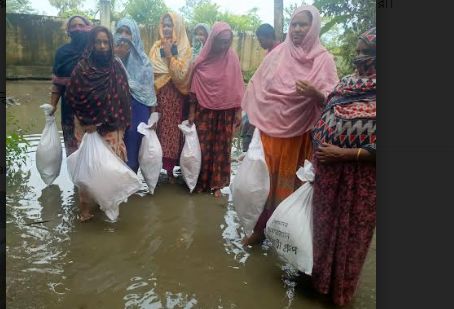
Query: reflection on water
[[169, 250]]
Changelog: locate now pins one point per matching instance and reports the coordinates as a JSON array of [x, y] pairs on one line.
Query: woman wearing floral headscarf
[[284, 99], [66, 59], [344, 198], [171, 57], [129, 47]]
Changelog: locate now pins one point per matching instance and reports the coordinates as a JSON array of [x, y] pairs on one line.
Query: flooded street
[[169, 250]]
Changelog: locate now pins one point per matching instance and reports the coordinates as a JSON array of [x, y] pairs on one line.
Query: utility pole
[[279, 19], [105, 13]]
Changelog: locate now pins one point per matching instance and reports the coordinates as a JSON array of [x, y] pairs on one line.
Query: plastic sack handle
[[306, 173], [185, 128], [47, 108], [143, 127]]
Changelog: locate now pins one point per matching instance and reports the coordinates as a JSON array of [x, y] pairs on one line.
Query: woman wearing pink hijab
[[284, 99], [216, 90]]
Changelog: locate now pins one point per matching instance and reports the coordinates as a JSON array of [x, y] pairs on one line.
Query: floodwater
[[170, 250]]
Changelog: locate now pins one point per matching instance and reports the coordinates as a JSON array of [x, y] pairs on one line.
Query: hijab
[[98, 91], [138, 66], [177, 71], [217, 80], [271, 100], [69, 54]]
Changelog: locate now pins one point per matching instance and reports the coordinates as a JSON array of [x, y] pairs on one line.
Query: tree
[[242, 23], [145, 11], [188, 9], [19, 6], [355, 16], [64, 6], [204, 11]]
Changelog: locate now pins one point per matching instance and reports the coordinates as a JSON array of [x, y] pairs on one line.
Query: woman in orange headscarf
[[171, 58]]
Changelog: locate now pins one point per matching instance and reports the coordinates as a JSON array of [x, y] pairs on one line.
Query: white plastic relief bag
[[96, 168], [150, 152], [251, 185], [290, 226], [49, 152], [191, 155]]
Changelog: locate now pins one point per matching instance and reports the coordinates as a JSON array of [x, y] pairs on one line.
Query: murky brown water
[[170, 250]]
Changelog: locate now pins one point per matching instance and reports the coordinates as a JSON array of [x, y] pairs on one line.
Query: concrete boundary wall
[[31, 42]]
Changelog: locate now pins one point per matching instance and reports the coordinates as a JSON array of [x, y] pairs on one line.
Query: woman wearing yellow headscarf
[[171, 57]]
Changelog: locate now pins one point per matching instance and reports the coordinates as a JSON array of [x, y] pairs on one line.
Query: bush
[[16, 147]]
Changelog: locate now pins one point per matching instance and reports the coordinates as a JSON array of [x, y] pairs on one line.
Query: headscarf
[[365, 64], [357, 87], [100, 95], [196, 44], [271, 100], [69, 54], [370, 38], [178, 70], [138, 66], [217, 80], [349, 119]]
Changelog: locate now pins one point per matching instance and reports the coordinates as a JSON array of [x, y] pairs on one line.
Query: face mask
[[101, 58], [364, 63], [78, 37]]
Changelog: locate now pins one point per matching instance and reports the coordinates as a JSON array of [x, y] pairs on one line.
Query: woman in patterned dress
[[171, 57], [344, 198], [98, 93], [217, 89]]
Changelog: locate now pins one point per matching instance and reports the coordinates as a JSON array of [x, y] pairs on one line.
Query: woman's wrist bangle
[[358, 153]]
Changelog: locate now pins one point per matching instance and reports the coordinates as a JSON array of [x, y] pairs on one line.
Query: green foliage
[[204, 11], [188, 9], [147, 12], [63, 6], [355, 17], [358, 15], [90, 14], [16, 146], [19, 6], [242, 23]]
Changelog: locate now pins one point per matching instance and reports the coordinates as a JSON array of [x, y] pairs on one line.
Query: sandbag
[[191, 155], [251, 185], [96, 168], [49, 151], [150, 152], [290, 226]]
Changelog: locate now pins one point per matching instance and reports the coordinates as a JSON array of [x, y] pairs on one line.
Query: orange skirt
[[283, 157]]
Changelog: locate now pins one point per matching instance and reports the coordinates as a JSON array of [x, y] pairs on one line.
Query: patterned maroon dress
[[344, 201], [215, 132], [170, 106]]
